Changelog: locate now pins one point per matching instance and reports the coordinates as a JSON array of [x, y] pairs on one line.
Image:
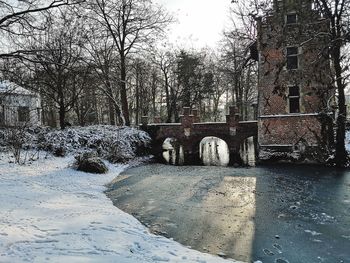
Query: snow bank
[[51, 213]]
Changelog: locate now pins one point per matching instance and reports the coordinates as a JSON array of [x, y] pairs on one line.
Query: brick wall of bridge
[[190, 132]]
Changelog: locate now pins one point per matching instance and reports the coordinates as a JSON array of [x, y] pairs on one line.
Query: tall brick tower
[[294, 81]]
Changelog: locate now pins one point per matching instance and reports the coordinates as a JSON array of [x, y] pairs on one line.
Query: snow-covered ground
[[52, 213]]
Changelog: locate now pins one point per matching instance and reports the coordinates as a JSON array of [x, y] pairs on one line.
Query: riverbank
[[272, 214], [52, 213]]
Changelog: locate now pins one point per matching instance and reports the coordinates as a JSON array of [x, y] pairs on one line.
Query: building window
[[23, 114], [294, 99], [292, 57], [291, 19]]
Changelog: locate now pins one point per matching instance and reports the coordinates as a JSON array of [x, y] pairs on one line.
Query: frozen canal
[[272, 214]]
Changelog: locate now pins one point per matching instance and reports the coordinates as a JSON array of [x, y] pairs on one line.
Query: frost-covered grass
[[52, 213]]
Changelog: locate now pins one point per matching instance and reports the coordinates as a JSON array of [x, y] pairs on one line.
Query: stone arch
[[214, 151], [189, 137], [173, 151]]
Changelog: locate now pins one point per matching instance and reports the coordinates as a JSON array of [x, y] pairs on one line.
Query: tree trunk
[[123, 93], [118, 114], [111, 112], [216, 102], [62, 116], [154, 94], [137, 87], [167, 95], [52, 118], [62, 108], [173, 106], [340, 152]]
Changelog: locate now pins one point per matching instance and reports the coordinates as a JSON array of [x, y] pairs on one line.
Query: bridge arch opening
[[247, 152], [173, 152], [214, 151]]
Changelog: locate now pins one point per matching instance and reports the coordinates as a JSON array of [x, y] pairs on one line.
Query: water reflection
[[173, 152], [214, 152], [247, 152]]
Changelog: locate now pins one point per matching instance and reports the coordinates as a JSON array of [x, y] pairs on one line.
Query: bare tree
[[239, 69], [219, 85], [239, 52], [141, 92], [105, 62], [164, 59], [85, 107], [57, 60], [21, 17], [146, 83], [338, 12], [131, 24]]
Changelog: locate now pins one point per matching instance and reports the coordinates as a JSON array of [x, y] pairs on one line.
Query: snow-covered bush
[[15, 140], [116, 144], [16, 135]]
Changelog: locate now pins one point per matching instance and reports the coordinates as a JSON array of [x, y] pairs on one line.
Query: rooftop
[[9, 87]]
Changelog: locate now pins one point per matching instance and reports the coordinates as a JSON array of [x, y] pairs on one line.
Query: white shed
[[18, 106]]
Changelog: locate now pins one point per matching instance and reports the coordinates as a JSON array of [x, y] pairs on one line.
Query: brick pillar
[[195, 115], [232, 119], [186, 111], [187, 121]]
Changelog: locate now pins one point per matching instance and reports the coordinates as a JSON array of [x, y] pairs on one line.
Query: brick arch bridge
[[190, 131]]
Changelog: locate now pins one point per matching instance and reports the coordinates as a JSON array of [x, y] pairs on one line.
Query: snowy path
[[50, 213]]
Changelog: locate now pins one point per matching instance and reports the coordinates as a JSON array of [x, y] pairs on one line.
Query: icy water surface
[[274, 214]]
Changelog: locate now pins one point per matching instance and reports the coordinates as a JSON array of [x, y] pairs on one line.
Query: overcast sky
[[200, 22]]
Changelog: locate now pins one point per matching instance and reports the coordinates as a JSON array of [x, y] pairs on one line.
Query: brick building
[[294, 82]]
